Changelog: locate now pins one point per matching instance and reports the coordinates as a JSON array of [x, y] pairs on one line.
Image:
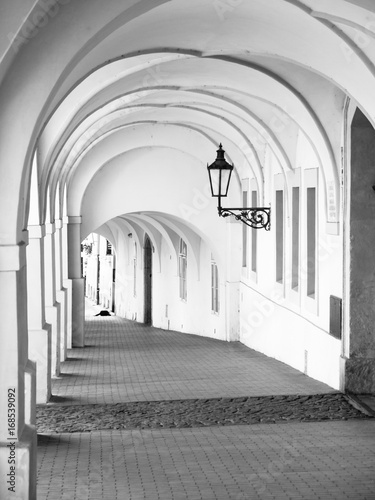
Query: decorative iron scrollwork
[[256, 218]]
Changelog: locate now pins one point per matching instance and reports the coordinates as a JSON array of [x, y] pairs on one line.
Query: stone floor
[[126, 361], [199, 384]]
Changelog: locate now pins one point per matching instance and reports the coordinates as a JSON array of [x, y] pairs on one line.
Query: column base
[[358, 375], [40, 352]]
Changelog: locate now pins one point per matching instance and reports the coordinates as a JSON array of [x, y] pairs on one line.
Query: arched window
[[182, 270]]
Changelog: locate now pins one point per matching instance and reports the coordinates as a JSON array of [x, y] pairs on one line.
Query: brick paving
[[325, 460], [125, 363]]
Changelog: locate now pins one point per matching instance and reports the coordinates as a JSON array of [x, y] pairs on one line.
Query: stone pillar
[[52, 307], [77, 282], [39, 330], [359, 363], [61, 292], [17, 375], [66, 281]]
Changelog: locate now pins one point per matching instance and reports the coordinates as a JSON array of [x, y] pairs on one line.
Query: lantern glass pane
[[214, 180], [225, 177]]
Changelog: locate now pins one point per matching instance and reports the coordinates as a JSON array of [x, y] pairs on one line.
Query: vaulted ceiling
[[98, 81]]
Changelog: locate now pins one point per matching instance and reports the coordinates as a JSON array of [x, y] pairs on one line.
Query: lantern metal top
[[220, 162]]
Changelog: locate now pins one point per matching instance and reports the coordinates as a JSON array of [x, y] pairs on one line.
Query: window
[[311, 241], [214, 287], [295, 238], [182, 270], [244, 232], [135, 271], [279, 236], [254, 236], [109, 248]]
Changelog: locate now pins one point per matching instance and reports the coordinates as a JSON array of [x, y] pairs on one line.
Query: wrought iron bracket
[[254, 217]]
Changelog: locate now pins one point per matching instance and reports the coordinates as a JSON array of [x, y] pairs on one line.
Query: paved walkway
[[126, 362]]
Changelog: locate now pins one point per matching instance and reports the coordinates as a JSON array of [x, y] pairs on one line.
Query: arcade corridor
[[127, 362], [206, 168]]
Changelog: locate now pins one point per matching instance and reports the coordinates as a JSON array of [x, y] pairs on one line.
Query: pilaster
[[61, 292]]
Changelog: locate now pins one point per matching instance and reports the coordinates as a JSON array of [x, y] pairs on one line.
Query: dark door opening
[[148, 281]]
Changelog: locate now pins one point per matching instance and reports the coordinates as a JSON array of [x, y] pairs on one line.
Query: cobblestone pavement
[[196, 413]]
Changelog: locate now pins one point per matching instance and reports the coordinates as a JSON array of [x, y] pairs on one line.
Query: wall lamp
[[220, 172]]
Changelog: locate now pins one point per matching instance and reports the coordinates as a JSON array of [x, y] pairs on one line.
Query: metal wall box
[[335, 308]]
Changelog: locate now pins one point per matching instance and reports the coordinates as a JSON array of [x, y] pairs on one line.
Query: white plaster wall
[[91, 277], [276, 330], [193, 315], [284, 323], [128, 305], [168, 310], [106, 281]]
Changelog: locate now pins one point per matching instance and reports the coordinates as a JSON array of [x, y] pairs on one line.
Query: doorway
[[148, 281]]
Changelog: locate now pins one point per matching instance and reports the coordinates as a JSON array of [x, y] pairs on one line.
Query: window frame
[[182, 270], [215, 298]]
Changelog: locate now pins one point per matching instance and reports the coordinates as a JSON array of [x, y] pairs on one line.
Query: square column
[[17, 375], [39, 330], [77, 282], [61, 292], [67, 284]]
